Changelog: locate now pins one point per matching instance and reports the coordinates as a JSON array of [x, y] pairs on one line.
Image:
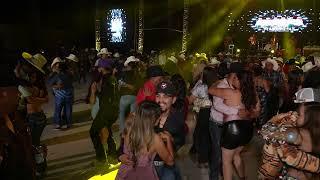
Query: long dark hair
[[181, 91], [209, 76], [247, 89], [294, 81], [40, 81], [312, 124]]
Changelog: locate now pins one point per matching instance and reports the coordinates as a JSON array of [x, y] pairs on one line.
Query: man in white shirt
[[216, 121]]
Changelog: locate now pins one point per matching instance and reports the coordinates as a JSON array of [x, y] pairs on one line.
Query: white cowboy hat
[[73, 58], [55, 61], [272, 61], [306, 67], [182, 56], [214, 61], [228, 54], [130, 59], [37, 60], [279, 59], [104, 51], [116, 55], [173, 59]]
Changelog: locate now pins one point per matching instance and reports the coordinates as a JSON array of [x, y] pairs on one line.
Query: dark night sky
[[42, 23]]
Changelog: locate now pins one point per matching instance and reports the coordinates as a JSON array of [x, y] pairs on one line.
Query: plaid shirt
[[274, 77]]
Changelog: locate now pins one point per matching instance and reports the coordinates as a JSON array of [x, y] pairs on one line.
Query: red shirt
[[148, 86]]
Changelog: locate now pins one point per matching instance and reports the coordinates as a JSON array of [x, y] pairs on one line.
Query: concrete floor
[[71, 153]]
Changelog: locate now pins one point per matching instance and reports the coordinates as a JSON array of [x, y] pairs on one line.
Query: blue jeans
[[60, 104], [37, 121], [125, 102], [215, 131], [168, 172]]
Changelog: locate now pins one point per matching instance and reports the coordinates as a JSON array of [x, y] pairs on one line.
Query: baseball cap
[[154, 71], [167, 88], [307, 95]]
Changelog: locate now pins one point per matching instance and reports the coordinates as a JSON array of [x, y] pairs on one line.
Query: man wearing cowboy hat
[[271, 72], [61, 80], [100, 131], [72, 63]]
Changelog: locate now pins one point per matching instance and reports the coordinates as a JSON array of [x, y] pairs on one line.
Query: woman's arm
[[37, 100], [256, 111], [92, 98], [165, 151], [223, 93], [266, 85], [298, 158]]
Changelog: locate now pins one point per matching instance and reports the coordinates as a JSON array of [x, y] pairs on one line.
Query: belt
[[158, 163], [216, 123]]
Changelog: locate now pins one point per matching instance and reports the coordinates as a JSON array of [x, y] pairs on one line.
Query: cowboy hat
[[116, 55], [173, 59], [37, 60], [272, 61], [279, 59], [214, 61], [307, 66], [55, 61], [130, 59], [104, 51], [73, 58]]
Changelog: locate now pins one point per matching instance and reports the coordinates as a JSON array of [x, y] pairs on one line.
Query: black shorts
[[236, 133]]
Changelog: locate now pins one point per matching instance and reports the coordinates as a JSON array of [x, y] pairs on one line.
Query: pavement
[[71, 154]]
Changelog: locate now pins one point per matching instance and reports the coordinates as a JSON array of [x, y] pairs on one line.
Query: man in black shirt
[[171, 122]]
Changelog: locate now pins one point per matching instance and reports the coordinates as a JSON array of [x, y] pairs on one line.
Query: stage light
[[238, 50], [272, 51], [116, 25]]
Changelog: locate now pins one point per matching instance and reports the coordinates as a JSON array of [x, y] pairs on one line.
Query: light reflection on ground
[[109, 176]]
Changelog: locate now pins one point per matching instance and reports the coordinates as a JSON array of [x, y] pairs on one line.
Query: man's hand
[[125, 160], [147, 92]]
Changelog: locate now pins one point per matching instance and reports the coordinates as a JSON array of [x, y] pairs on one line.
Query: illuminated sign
[[274, 21], [116, 25]]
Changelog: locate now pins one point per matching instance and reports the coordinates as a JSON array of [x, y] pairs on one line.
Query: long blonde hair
[[142, 131]]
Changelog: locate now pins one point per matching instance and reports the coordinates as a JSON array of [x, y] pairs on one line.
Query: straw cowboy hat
[[173, 59], [73, 58], [214, 61], [104, 51], [55, 61], [272, 61], [130, 59], [37, 60]]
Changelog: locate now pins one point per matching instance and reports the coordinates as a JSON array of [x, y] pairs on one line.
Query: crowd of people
[[233, 100]]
